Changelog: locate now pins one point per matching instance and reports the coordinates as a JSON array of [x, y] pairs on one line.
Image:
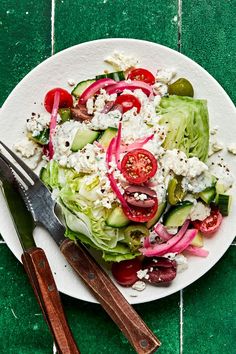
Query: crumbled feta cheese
[[63, 138], [89, 106], [102, 99], [120, 61], [214, 130], [197, 184], [83, 160], [232, 148], [222, 173], [165, 75], [157, 100], [139, 285], [102, 121], [160, 88], [176, 161], [170, 255], [142, 196], [182, 263], [142, 273], [195, 167], [71, 82], [134, 127], [215, 146], [27, 148], [200, 211], [31, 152], [38, 122]]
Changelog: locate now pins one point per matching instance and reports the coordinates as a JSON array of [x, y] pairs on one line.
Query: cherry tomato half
[[125, 272], [142, 75], [128, 102], [139, 214], [209, 225], [66, 99], [138, 166]]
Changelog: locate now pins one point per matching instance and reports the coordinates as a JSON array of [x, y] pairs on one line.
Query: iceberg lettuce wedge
[[186, 120]]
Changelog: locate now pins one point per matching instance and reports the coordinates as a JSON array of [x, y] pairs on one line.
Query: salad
[[126, 155]]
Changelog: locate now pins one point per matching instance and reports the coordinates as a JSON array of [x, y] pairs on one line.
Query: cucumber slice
[[220, 188], [106, 137], [156, 217], [117, 218], [117, 76], [224, 203], [177, 215], [208, 195], [81, 87], [82, 138]]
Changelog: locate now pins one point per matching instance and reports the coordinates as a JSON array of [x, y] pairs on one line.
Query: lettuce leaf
[[85, 221], [187, 125]]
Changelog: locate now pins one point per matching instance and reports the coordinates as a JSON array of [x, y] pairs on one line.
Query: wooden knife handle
[[44, 286], [111, 299]]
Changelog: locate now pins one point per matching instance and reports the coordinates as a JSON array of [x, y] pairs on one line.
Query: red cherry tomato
[[209, 225], [128, 102], [142, 75], [138, 166], [66, 99], [139, 214], [125, 272]]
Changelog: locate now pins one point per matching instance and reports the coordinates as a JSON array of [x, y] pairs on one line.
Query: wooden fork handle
[[111, 299], [42, 281]]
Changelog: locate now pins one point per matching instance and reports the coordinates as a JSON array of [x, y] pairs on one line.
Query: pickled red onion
[[53, 123], [117, 152], [163, 248], [123, 85], [162, 232], [196, 251], [114, 186], [94, 88], [137, 144]]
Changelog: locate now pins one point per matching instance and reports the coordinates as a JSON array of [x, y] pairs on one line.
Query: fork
[[39, 201]]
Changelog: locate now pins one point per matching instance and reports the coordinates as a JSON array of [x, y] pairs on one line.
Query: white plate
[[85, 61]]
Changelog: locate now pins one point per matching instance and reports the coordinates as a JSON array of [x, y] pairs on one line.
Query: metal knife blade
[[21, 217]]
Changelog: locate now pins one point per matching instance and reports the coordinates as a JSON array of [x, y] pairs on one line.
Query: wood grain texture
[[102, 287], [42, 281]]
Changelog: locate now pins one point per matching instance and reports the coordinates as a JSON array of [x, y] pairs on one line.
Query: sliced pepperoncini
[[175, 192], [133, 235]]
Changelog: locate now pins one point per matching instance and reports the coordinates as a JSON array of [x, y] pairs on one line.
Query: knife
[[39, 200], [36, 265]]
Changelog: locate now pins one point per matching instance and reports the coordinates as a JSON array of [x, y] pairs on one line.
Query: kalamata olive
[[141, 190], [80, 113], [181, 87], [160, 269], [146, 203]]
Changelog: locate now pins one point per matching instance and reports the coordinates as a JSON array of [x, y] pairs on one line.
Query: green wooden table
[[202, 317]]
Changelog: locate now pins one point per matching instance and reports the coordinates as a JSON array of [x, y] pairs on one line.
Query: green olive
[[181, 87]]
